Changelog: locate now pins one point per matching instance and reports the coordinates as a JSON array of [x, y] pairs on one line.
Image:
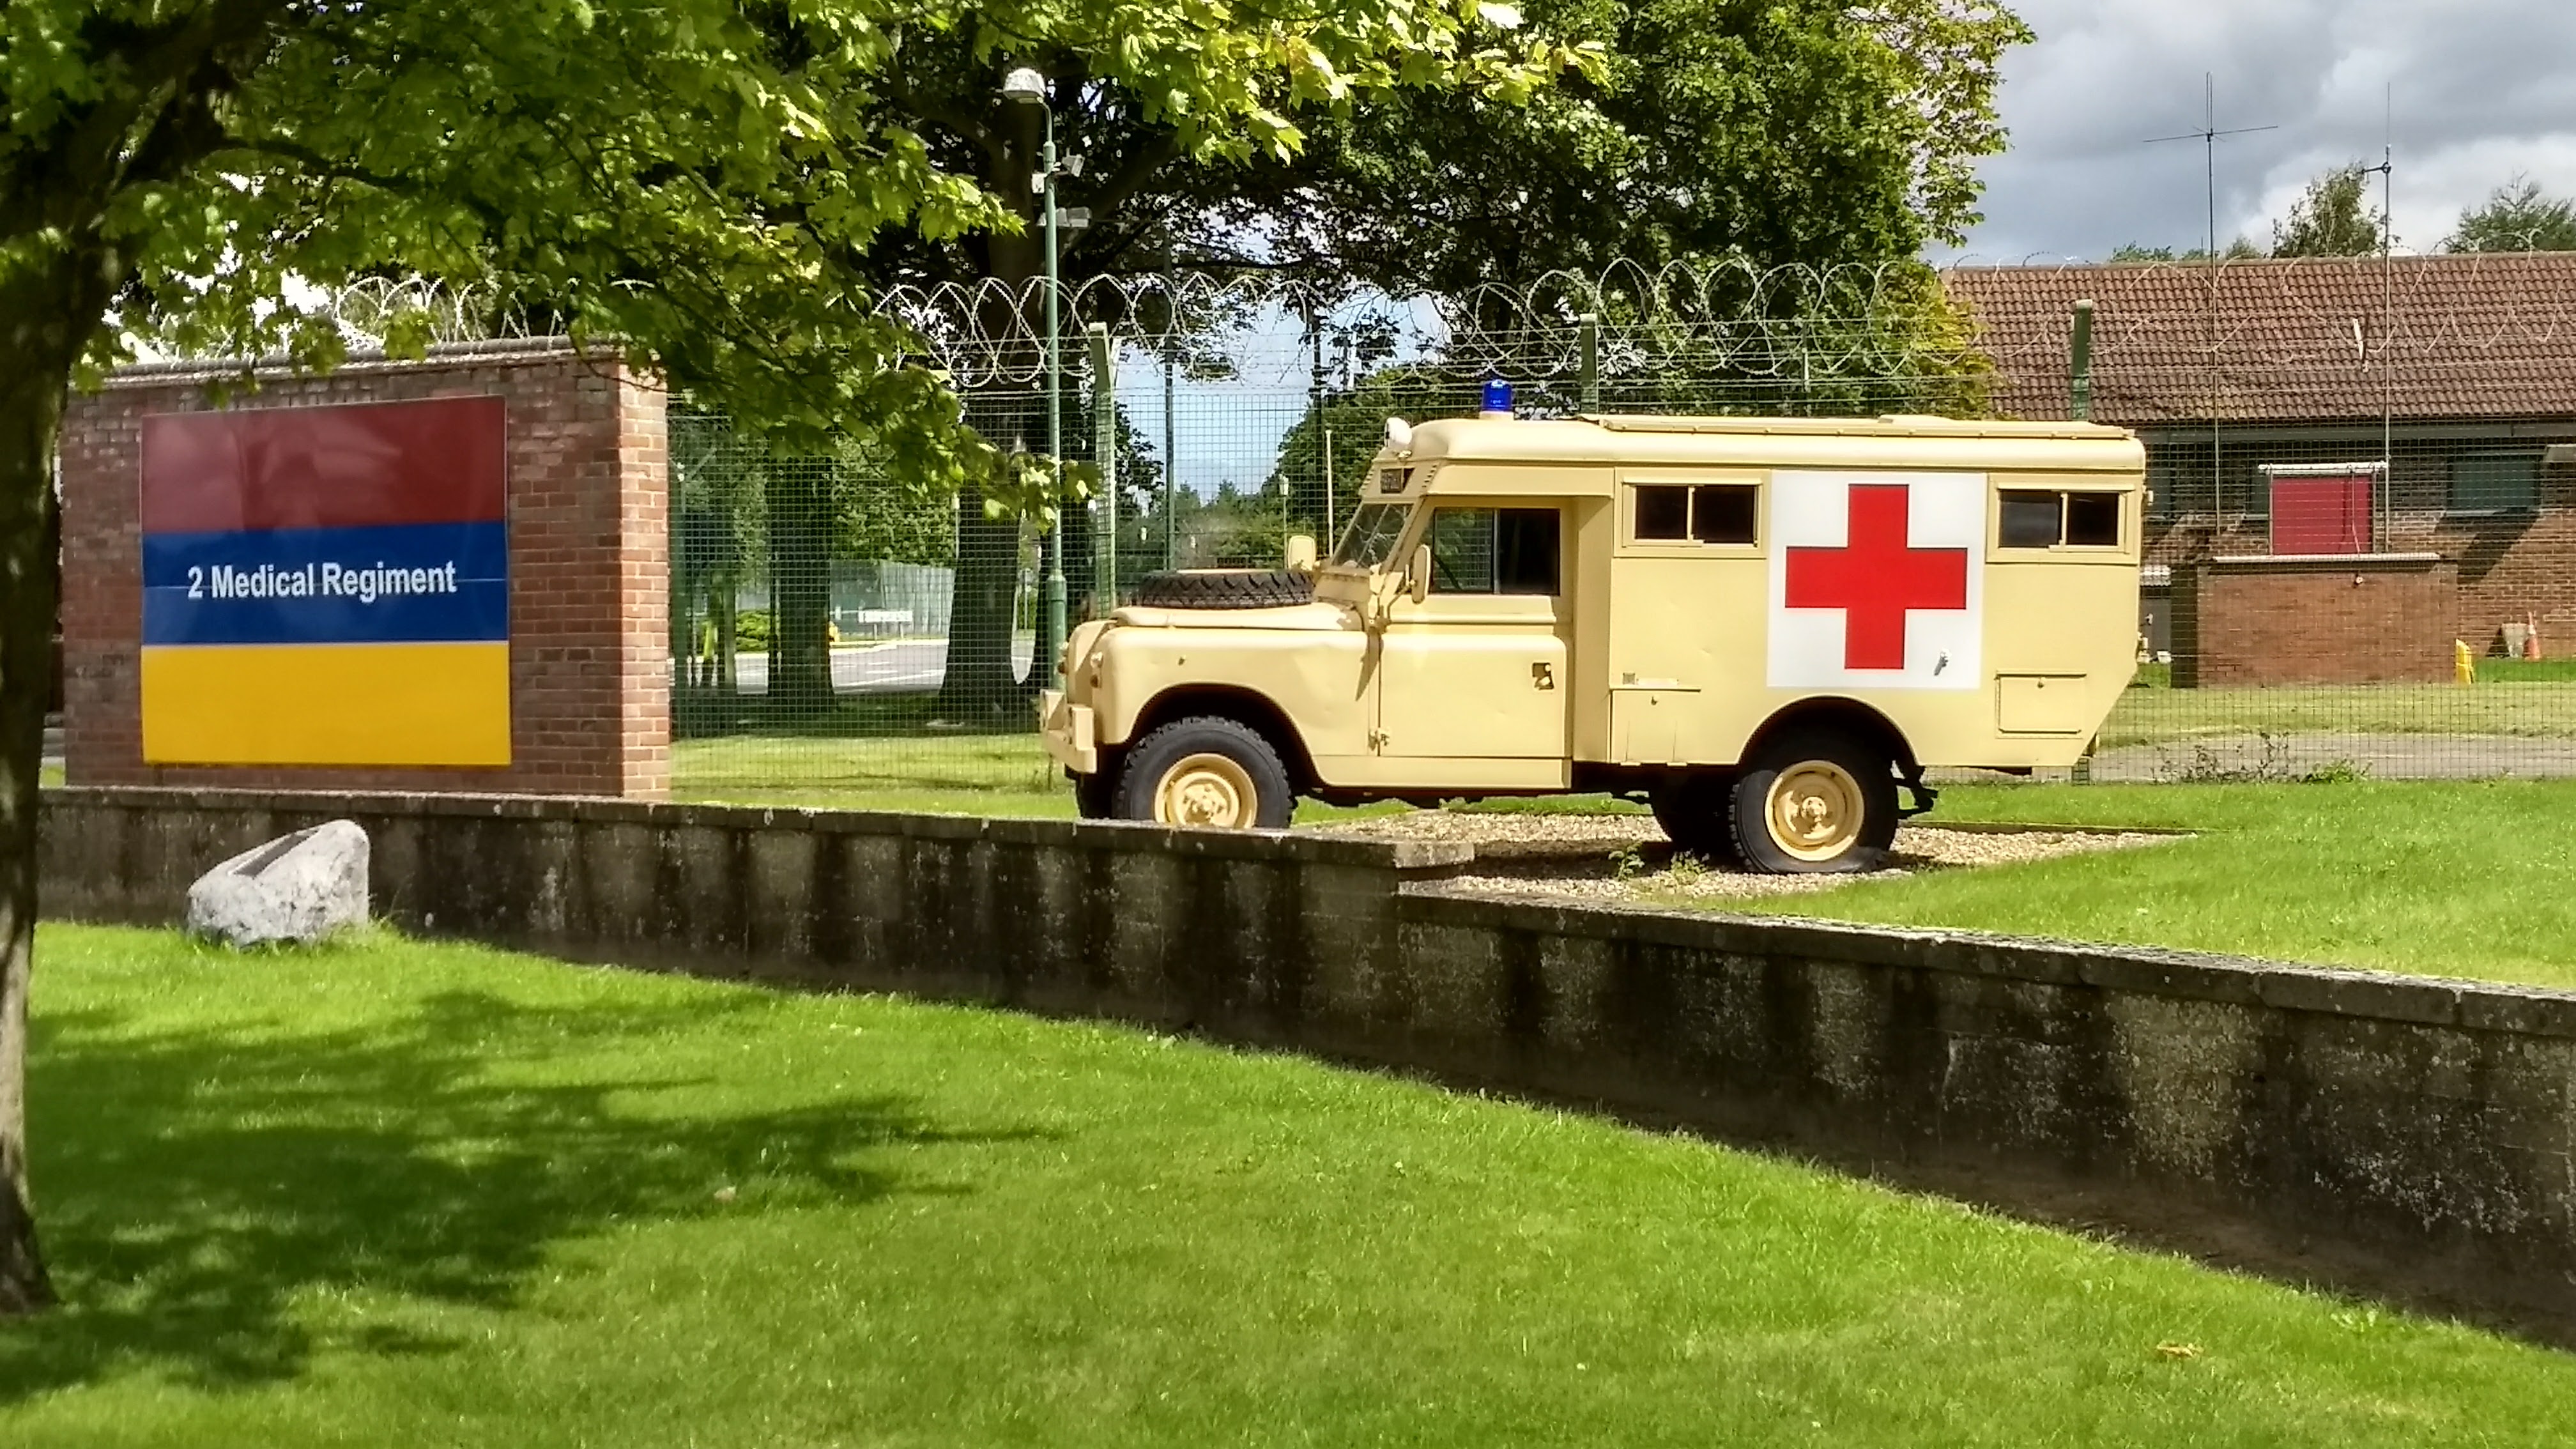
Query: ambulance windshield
[[1373, 534]]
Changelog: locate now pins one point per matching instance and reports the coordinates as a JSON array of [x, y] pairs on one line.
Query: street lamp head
[[1025, 86]]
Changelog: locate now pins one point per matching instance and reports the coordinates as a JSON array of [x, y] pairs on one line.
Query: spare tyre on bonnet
[[1226, 589]]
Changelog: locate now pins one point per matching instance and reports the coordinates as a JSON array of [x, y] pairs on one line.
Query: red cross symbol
[[1875, 579]]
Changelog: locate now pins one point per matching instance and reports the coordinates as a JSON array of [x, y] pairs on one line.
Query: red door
[[2321, 515]]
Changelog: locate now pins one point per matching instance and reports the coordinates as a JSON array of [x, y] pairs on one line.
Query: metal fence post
[[1590, 322], [1104, 457], [2079, 377]]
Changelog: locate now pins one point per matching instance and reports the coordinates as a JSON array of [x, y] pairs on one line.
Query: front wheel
[[1205, 773], [1094, 795], [1815, 804]]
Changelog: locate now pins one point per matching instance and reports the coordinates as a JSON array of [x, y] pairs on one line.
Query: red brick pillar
[[585, 473]]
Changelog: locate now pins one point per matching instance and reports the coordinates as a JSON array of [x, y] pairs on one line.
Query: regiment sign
[[326, 586]]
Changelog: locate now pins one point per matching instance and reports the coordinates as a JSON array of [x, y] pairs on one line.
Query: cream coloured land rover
[[1767, 629]]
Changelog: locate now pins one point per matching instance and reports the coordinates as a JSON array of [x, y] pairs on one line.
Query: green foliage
[[1702, 136], [2332, 218], [695, 184], [2517, 217], [2240, 249], [1355, 418]]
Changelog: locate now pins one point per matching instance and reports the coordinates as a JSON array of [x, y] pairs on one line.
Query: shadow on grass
[[201, 1189]]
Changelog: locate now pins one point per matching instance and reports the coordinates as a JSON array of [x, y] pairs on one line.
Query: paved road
[[903, 667]]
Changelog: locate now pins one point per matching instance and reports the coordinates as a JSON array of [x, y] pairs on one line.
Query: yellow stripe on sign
[[327, 704]]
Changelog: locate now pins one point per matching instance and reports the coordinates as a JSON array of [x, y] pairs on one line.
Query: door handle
[[1543, 675]]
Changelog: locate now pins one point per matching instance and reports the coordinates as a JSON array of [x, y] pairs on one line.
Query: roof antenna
[[2208, 136], [2386, 171]]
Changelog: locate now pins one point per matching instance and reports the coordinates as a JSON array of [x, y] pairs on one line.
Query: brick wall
[[2510, 566], [587, 498], [2369, 619]]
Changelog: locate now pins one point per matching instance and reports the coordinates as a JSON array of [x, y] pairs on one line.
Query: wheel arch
[[1850, 717], [1245, 707]]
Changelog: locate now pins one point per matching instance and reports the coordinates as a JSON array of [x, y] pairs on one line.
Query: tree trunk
[[30, 409], [983, 684], [800, 585]]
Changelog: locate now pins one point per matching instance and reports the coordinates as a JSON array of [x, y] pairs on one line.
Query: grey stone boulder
[[301, 888]]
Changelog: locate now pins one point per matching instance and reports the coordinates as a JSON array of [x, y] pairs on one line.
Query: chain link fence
[[2362, 541], [2361, 548], [840, 637]]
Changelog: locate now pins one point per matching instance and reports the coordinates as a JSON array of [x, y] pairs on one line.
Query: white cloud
[[2472, 91]]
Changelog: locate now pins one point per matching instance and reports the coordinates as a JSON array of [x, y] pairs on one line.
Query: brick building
[[2425, 406]]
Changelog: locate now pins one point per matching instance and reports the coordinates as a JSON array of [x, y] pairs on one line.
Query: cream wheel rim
[[1207, 791], [1814, 810]]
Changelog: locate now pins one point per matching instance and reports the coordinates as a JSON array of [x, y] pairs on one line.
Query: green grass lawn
[[955, 774], [2437, 878], [2453, 879], [1000, 775], [400, 1194]]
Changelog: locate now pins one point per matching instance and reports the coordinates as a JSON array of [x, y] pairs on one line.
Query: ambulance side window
[[2048, 518], [1663, 514], [1496, 551], [2031, 519], [1723, 513]]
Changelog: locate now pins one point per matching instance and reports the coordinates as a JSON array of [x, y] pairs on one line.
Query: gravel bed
[[1625, 857]]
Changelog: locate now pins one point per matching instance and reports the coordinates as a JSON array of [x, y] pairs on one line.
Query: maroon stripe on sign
[[329, 467]]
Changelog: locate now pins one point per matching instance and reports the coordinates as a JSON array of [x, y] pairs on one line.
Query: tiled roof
[[2481, 336]]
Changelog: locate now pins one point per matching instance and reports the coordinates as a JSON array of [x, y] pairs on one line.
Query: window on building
[[2048, 518], [1722, 513], [2495, 482], [1496, 551]]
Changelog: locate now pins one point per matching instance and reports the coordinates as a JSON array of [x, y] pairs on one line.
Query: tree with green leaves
[[2517, 217], [2332, 218], [698, 185], [1809, 132], [1781, 132], [2241, 249]]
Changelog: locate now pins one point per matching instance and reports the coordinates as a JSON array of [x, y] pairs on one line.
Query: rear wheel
[[1815, 804], [1205, 773], [1692, 811]]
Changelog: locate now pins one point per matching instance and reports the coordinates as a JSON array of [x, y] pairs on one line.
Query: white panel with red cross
[[1877, 580]]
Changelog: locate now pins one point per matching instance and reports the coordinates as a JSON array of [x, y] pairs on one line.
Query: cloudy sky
[[2478, 89]]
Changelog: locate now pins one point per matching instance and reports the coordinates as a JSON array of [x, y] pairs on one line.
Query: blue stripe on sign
[[402, 584]]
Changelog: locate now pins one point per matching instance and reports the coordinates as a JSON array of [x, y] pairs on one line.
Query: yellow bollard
[[2464, 665]]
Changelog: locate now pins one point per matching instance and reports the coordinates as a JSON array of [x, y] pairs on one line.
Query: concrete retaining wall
[[2404, 1136]]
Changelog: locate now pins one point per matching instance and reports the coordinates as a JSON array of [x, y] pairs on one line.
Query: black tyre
[[1814, 804], [1225, 589], [1094, 794], [1692, 811], [1205, 773]]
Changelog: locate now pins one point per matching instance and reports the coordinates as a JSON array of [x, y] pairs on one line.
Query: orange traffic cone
[[2531, 636]]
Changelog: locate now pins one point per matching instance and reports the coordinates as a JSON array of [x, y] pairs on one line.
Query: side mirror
[[1417, 575], [1301, 553]]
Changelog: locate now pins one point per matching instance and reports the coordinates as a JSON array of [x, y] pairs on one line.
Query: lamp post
[[1028, 88]]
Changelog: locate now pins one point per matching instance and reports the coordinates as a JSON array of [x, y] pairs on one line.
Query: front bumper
[[1067, 729]]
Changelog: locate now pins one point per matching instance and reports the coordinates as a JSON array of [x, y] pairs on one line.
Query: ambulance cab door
[[1474, 673]]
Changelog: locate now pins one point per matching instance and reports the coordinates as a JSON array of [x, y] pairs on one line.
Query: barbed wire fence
[[1223, 415], [2405, 431]]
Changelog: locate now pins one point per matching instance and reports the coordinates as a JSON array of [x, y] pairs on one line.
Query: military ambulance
[[1767, 629]]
